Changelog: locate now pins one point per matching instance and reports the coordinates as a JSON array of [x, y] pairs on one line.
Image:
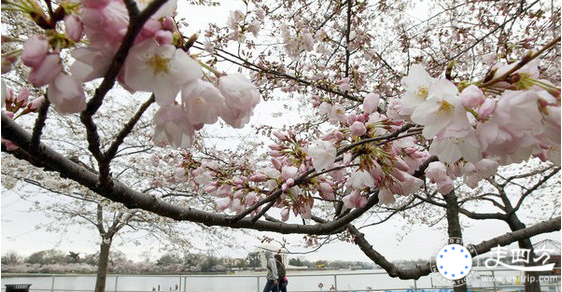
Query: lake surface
[[248, 281]]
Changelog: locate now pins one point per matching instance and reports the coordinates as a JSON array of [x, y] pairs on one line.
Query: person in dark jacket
[[282, 273]]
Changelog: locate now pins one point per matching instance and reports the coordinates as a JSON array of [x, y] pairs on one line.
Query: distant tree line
[[56, 261]]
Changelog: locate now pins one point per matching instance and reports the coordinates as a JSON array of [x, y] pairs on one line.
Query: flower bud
[[358, 129], [34, 51], [73, 27], [472, 96], [371, 103]]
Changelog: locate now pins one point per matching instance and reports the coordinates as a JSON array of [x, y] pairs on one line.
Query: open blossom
[[162, 70], [202, 102], [172, 127], [46, 71], [323, 155], [450, 149], [336, 114], [67, 94], [442, 110], [417, 85], [354, 200], [91, 62], [437, 173], [241, 96], [360, 179]]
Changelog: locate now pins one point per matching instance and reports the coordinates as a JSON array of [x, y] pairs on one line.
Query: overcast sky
[[19, 231]]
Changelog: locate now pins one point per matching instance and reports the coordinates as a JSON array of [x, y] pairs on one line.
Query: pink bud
[[290, 182], [168, 24], [164, 37], [486, 109], [285, 214], [73, 27], [280, 136], [351, 118], [46, 72], [276, 163], [34, 51], [363, 118], [22, 98], [258, 177], [339, 135], [275, 153], [401, 164], [358, 129], [275, 147], [371, 103], [326, 191], [472, 96], [347, 158]]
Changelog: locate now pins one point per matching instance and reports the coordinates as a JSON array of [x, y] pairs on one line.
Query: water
[[249, 282]]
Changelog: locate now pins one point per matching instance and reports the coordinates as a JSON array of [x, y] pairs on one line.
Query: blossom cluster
[[472, 130], [157, 63]]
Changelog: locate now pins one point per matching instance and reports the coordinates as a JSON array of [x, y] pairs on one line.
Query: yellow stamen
[[445, 108], [422, 92], [159, 64]]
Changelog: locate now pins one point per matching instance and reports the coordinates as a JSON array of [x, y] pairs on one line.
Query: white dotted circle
[[454, 261]]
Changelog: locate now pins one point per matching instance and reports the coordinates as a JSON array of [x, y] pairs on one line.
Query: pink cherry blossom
[[451, 149], [323, 154], [67, 94], [45, 72], [73, 27], [358, 129], [417, 85], [354, 200], [386, 197], [371, 103], [162, 70], [202, 102], [442, 110], [360, 179], [472, 96], [326, 191], [241, 96], [35, 50], [92, 62], [173, 127]]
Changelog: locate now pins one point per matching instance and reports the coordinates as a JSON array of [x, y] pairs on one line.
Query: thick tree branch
[[132, 199], [418, 271]]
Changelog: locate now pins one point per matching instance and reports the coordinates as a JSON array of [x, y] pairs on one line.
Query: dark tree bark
[[454, 226], [102, 264]]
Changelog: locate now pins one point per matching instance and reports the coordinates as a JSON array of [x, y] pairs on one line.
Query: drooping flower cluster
[[157, 63], [507, 125]]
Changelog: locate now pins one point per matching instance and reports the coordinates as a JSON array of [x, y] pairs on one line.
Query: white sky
[[19, 233]]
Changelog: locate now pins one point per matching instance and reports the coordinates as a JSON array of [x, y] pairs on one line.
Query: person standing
[[282, 272], [272, 283]]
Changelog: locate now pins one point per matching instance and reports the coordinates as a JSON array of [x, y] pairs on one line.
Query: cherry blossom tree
[[391, 104]]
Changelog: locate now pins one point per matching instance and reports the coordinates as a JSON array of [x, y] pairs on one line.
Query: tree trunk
[[102, 264], [454, 226], [532, 283]]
